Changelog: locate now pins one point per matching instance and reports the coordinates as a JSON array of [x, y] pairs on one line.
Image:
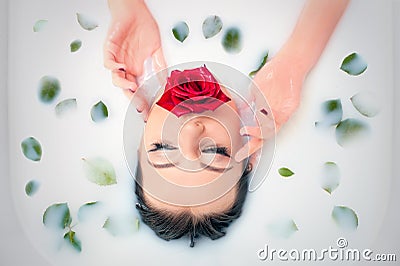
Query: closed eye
[[217, 150], [161, 146]]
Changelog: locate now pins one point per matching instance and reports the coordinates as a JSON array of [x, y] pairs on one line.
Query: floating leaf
[[31, 188], [263, 62], [354, 64], [65, 106], [137, 223], [99, 112], [285, 172], [349, 130], [333, 113], [212, 25], [49, 88], [86, 22], [32, 149], [99, 171], [231, 41], [57, 216], [39, 25], [283, 228], [345, 217], [180, 31], [71, 239], [366, 103], [85, 208], [119, 226], [331, 177], [75, 45]]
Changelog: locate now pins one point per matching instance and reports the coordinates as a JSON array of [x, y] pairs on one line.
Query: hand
[[133, 36], [280, 82]]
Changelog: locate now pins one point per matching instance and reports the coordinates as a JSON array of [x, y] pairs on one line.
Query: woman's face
[[189, 161]]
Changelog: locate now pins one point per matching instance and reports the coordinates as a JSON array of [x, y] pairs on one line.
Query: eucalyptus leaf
[[71, 238], [65, 106], [49, 88], [345, 217], [232, 41], [86, 208], [331, 177], [180, 31], [285, 172], [32, 149], [212, 25], [75, 45], [349, 130], [86, 22], [366, 103], [99, 171], [263, 62], [282, 228], [354, 64], [57, 216], [39, 25], [332, 111], [31, 187], [121, 225], [99, 112]]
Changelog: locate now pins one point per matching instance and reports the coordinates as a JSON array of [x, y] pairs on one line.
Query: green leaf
[[285, 172], [354, 64], [345, 217], [331, 177], [349, 130], [120, 226], [71, 239], [212, 25], [180, 31], [57, 216], [85, 208], [232, 41], [31, 188], [39, 25], [282, 228], [263, 62], [32, 149], [49, 88], [137, 224], [332, 111], [99, 112], [366, 103], [86, 22], [75, 45], [65, 106], [99, 171]]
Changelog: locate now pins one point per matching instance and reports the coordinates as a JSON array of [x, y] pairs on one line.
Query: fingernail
[[243, 132], [121, 69], [263, 111], [139, 111]]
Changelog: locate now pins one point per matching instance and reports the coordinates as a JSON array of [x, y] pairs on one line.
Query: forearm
[[314, 27], [118, 6]]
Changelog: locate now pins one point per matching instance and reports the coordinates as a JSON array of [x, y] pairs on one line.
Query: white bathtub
[[24, 240]]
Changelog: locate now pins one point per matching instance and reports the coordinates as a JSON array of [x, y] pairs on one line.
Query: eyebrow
[[207, 167]]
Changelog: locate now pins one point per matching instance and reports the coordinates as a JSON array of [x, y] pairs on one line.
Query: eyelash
[[214, 149]]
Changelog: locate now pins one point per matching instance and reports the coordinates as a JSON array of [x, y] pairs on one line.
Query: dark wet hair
[[171, 225]]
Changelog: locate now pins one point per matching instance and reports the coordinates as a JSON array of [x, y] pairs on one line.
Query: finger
[[141, 104], [253, 145], [251, 131], [119, 80], [159, 60], [110, 61]]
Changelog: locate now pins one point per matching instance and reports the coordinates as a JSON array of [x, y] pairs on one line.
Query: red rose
[[192, 91]]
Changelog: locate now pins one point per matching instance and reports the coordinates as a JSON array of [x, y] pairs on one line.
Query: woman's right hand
[[280, 82]]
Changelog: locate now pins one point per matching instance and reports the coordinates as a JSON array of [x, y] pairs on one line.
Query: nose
[[189, 138]]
